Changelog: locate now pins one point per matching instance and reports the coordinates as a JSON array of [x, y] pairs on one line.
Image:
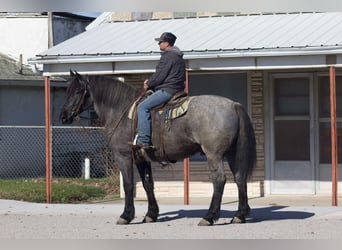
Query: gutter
[[193, 55]]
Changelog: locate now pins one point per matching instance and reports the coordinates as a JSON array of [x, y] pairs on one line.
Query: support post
[[186, 160], [334, 161], [48, 141]]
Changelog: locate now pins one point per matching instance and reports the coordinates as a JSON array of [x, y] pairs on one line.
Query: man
[[167, 80]]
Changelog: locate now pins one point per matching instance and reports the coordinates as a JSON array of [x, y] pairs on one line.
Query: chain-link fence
[[22, 152]]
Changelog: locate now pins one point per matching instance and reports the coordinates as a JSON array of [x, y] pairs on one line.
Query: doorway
[[292, 134]]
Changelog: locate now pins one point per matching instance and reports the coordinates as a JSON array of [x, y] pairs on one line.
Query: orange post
[[48, 141], [186, 181], [186, 160], [334, 161]]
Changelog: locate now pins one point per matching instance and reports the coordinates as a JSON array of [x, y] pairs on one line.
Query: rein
[[80, 102], [124, 112]]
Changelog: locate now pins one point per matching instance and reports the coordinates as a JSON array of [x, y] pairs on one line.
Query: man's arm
[[162, 70]]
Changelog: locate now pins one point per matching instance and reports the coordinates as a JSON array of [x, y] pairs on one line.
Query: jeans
[[144, 117]]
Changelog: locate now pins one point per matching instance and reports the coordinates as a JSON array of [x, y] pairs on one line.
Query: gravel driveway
[[23, 220]]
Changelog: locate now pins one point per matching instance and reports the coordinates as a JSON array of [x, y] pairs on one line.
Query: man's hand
[[145, 85]]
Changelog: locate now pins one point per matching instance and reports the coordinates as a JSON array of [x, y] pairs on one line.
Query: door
[[292, 154]]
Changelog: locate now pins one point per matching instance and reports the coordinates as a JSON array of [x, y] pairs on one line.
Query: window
[[292, 119], [233, 86]]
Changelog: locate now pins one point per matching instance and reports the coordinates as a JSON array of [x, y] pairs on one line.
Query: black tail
[[245, 157]]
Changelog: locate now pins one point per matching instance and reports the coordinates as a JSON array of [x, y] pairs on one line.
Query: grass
[[64, 190]]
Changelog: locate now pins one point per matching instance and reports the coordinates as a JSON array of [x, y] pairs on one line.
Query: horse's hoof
[[148, 219], [204, 222], [122, 221], [237, 220]]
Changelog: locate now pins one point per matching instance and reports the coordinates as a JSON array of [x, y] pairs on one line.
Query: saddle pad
[[173, 113]]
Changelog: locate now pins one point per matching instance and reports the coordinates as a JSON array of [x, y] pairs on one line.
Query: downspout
[[50, 34]]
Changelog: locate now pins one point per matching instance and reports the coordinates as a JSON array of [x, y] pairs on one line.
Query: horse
[[213, 125]]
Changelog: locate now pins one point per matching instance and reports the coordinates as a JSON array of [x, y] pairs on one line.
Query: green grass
[[66, 190]]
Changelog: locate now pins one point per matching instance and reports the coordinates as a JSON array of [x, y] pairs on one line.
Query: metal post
[[334, 162], [186, 160], [48, 141]]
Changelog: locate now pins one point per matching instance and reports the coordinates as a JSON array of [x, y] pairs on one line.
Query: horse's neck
[[109, 103]]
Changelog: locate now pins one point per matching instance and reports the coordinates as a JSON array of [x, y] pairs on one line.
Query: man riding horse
[[167, 80]]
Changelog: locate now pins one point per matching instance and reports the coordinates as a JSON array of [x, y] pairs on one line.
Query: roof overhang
[[261, 59]]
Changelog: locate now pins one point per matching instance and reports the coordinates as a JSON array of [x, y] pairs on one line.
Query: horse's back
[[217, 108], [210, 120], [213, 101]]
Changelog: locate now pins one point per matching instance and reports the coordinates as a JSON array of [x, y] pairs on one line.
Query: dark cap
[[167, 37]]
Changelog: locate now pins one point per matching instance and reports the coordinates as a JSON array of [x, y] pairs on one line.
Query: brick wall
[[257, 116]]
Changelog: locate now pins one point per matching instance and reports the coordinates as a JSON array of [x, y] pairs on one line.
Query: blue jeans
[[144, 117]]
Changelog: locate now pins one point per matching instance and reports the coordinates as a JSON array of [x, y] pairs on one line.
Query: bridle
[[77, 108]]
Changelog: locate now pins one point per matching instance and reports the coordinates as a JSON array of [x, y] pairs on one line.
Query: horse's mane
[[111, 91]]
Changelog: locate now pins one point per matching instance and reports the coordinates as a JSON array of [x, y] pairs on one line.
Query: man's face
[[163, 45]]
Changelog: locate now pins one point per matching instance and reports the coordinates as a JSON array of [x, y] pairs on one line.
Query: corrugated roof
[[9, 70], [227, 34], [10, 73]]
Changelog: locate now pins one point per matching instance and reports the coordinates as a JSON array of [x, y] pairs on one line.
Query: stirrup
[[134, 142]]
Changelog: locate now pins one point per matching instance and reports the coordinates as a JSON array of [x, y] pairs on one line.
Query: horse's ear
[[71, 73], [78, 75]]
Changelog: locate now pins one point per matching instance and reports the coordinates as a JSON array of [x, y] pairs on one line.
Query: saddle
[[161, 118]]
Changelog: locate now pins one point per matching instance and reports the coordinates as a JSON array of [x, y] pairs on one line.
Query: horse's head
[[77, 98]]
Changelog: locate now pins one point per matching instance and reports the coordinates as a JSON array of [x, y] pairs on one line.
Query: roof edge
[[301, 51]]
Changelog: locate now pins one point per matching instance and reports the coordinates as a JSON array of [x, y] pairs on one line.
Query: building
[[23, 35], [276, 65], [22, 114]]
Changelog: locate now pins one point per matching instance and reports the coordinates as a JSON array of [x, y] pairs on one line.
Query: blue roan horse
[[213, 125]]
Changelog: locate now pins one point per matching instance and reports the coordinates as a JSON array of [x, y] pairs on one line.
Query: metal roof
[[237, 36], [10, 70], [14, 73]]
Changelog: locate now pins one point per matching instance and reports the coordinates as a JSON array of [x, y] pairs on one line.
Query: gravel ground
[[23, 220]]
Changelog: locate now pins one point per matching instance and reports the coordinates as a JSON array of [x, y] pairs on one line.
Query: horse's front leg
[[145, 173], [126, 168]]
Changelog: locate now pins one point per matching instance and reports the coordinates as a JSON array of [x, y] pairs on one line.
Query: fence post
[[48, 141]]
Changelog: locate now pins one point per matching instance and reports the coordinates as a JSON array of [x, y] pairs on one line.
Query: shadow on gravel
[[256, 215]]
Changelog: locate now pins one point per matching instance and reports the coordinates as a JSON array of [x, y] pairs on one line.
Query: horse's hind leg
[[219, 181], [240, 179], [145, 173]]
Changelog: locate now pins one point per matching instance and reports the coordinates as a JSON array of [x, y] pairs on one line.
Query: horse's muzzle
[[65, 118]]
